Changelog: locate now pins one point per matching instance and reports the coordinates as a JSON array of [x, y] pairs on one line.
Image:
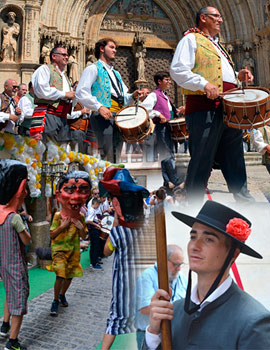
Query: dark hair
[[77, 174], [54, 51], [12, 173], [160, 76], [95, 200], [161, 194], [202, 11], [30, 84], [102, 43]]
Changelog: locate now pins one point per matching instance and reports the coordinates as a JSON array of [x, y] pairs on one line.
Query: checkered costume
[[13, 268]]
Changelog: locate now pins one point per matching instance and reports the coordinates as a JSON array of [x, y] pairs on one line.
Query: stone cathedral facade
[[144, 29]]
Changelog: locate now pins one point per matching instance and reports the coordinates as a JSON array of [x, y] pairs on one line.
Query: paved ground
[[79, 326], [82, 324]]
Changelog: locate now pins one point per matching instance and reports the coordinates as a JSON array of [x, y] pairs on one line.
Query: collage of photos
[[135, 155]]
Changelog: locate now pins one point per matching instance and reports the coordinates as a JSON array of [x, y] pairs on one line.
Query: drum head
[[127, 118], [249, 95], [179, 120]]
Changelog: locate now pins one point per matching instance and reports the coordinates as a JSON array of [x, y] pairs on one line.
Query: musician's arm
[[108, 248]]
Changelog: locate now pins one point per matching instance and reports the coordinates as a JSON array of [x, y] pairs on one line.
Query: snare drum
[[133, 126], [178, 129], [248, 110]]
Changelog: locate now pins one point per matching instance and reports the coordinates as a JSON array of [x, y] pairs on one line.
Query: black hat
[[218, 217]]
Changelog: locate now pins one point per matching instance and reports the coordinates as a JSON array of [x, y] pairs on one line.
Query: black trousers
[[211, 140], [94, 245]]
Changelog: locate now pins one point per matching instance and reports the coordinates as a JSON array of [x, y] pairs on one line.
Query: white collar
[[106, 65], [212, 297]]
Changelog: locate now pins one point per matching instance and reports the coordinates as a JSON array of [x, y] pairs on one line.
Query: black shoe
[[63, 300], [54, 308], [4, 329], [15, 346]]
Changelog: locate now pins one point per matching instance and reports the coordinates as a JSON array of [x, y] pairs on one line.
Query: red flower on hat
[[238, 228]]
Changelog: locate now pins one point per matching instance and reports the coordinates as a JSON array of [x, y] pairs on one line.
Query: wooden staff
[[246, 77], [162, 266]]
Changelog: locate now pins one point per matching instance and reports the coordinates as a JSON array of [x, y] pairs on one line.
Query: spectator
[[22, 90], [27, 106]]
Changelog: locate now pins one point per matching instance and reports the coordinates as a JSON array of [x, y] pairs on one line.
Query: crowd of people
[[111, 217]]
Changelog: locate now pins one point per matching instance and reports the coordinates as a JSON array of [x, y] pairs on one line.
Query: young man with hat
[[216, 314], [123, 239]]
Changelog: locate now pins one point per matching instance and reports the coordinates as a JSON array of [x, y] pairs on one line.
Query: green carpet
[[123, 342], [40, 281]]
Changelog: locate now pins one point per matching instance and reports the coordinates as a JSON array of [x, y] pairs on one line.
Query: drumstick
[[138, 100], [231, 93], [246, 77]]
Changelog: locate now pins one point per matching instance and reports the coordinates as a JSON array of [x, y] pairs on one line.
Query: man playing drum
[[203, 68], [102, 90]]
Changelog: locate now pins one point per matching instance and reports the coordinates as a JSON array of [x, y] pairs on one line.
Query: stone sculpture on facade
[[139, 52], [45, 52], [10, 33], [73, 67], [248, 62]]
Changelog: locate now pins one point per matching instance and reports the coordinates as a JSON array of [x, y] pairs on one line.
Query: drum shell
[[178, 130], [136, 133], [247, 115]]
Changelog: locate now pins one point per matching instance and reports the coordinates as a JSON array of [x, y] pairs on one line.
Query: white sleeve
[[3, 116], [149, 103], [41, 85], [74, 115], [258, 141], [183, 63], [152, 340], [26, 107], [83, 90], [127, 95]]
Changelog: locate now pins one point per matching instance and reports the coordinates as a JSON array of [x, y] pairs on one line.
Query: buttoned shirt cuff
[[4, 117], [152, 340]]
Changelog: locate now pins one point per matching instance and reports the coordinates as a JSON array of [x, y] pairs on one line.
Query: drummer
[[102, 90], [161, 110], [204, 69]]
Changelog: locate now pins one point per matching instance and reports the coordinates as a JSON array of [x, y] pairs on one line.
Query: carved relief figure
[[140, 55], [45, 52], [73, 67], [10, 33], [248, 62]]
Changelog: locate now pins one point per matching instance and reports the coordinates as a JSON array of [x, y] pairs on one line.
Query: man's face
[[109, 51], [207, 250], [212, 21], [60, 57], [11, 87], [165, 83], [175, 262], [95, 193], [73, 194], [22, 90]]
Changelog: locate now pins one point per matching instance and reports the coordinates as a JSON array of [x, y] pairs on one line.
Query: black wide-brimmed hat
[[226, 221]]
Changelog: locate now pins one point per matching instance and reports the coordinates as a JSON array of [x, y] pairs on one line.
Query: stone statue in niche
[[45, 52], [248, 62], [267, 9], [90, 57], [73, 67], [10, 33], [139, 52]]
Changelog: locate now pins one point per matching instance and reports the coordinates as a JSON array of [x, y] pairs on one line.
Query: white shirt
[[150, 102], [258, 141], [92, 215], [26, 106], [184, 61], [5, 116], [153, 340], [41, 84], [89, 76]]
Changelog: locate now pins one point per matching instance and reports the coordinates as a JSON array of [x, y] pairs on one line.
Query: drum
[[133, 126], [178, 129], [248, 110], [106, 226]]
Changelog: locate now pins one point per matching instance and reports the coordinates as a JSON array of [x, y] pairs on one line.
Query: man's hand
[[18, 110], [136, 93], [162, 119], [212, 91], [65, 223], [267, 148], [181, 110], [85, 110], [14, 117], [159, 310], [171, 185], [70, 95], [243, 73], [105, 112]]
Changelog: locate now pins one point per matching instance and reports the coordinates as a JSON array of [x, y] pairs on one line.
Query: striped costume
[[13, 268], [124, 240]]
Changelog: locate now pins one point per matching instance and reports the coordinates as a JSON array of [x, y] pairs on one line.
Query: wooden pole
[[162, 266]]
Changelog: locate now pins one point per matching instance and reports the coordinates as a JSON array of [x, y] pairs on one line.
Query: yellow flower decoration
[[71, 156], [86, 160], [9, 141], [32, 143], [34, 165], [27, 160], [20, 148], [39, 164], [63, 156]]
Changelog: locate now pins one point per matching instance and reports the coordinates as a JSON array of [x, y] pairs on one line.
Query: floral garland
[[30, 152]]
